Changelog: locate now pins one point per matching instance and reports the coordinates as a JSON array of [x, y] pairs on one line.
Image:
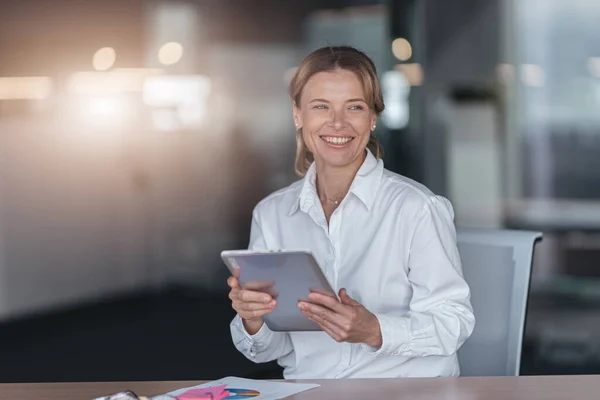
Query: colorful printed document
[[232, 388], [211, 393]]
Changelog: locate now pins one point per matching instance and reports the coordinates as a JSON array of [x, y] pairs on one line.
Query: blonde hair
[[328, 59]]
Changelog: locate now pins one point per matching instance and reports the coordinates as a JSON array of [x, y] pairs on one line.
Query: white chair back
[[497, 266]]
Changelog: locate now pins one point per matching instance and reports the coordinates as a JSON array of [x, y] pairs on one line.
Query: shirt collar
[[364, 186]]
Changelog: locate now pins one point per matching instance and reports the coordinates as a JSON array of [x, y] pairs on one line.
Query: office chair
[[497, 266]]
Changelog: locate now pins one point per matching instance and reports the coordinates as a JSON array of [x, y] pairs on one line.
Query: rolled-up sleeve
[[440, 316], [265, 345]]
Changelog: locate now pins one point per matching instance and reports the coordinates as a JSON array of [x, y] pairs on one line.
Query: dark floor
[[174, 335], [562, 335]]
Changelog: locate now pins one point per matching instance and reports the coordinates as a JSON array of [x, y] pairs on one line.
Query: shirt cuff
[[395, 336], [263, 336]]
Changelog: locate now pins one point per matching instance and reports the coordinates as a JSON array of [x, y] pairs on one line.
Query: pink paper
[[217, 392]]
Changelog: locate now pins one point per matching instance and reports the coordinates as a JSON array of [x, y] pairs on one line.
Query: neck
[[333, 183]]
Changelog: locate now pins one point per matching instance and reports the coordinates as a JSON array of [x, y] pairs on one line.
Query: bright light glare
[[180, 101], [170, 53], [25, 88], [168, 91], [413, 72], [104, 106], [401, 49], [104, 59], [395, 93], [117, 81], [101, 111], [533, 75]]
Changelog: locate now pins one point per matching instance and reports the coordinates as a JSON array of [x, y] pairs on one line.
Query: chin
[[339, 159]]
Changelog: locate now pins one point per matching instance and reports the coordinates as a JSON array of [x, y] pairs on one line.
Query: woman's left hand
[[345, 321]]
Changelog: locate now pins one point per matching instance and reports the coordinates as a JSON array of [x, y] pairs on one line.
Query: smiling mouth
[[337, 140]]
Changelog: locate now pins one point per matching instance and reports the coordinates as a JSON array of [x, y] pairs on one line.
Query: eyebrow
[[327, 101]]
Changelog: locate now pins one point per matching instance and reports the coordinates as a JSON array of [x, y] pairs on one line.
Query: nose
[[339, 119]]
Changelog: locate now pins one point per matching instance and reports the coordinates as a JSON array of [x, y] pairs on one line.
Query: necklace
[[336, 202]]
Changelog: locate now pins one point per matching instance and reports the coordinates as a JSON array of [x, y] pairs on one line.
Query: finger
[[259, 285], [339, 325], [346, 299], [326, 301], [236, 273], [233, 282], [244, 306], [332, 330], [323, 292], [331, 333], [252, 296], [323, 312], [254, 314]]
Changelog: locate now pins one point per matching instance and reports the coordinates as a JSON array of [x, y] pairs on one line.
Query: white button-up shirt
[[392, 244]]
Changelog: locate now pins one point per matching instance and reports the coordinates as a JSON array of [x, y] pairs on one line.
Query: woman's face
[[335, 119]]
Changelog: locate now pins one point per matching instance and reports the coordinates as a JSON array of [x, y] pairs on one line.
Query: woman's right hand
[[250, 303]]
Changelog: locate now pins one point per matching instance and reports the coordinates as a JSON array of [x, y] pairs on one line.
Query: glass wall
[[505, 124], [555, 180]]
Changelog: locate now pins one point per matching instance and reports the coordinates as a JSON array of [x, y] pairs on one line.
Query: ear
[[373, 121], [296, 115]]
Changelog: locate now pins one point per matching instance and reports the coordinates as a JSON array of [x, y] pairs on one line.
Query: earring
[[374, 126]]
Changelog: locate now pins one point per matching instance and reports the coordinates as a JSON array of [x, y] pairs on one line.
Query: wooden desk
[[579, 387]]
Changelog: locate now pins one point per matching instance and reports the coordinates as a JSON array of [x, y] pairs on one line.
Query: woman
[[384, 241]]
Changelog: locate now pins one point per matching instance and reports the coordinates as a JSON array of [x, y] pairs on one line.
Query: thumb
[[234, 280], [347, 299]]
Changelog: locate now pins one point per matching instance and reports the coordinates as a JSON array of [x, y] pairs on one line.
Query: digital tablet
[[287, 275]]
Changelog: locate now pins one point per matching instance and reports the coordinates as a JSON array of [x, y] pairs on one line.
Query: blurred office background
[[136, 136]]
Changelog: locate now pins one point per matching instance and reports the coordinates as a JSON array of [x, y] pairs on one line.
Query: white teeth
[[336, 140]]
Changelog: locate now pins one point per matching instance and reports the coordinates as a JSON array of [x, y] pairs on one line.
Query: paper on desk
[[210, 393], [251, 388]]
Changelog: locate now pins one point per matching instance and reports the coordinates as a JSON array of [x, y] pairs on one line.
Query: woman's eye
[[320, 107], [356, 107]]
